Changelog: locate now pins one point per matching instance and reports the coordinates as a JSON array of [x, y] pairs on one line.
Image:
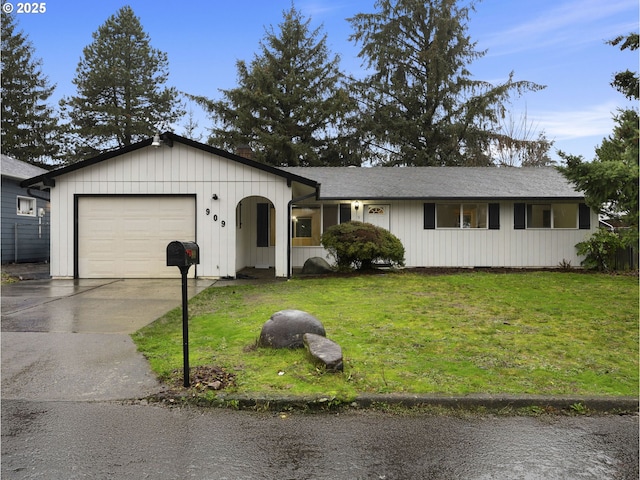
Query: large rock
[[315, 266], [324, 351], [285, 329]]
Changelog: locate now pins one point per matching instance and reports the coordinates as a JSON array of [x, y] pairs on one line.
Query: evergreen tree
[[611, 181], [626, 82], [28, 122], [290, 106], [420, 104], [121, 94]]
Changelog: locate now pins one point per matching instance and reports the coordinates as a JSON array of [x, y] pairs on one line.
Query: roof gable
[[48, 178]]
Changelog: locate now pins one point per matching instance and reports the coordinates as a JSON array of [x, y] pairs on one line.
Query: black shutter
[[519, 210], [263, 225], [494, 216], [345, 212], [429, 216], [584, 216]]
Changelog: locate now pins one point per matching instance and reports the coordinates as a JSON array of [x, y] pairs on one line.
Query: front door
[[377, 215]]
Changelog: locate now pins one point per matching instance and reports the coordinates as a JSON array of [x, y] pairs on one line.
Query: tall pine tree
[[121, 93], [290, 105], [28, 123], [611, 180], [420, 104]]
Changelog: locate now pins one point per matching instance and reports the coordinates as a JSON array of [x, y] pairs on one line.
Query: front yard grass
[[512, 333]]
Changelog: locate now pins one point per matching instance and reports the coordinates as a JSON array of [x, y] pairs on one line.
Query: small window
[[26, 206], [474, 216], [565, 215], [306, 225], [539, 216], [448, 216], [303, 227], [466, 215]]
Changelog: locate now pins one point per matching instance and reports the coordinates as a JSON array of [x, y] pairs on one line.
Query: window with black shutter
[[429, 216], [519, 216], [584, 216], [263, 225], [494, 216]]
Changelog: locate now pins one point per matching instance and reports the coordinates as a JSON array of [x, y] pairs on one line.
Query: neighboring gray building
[[24, 214]]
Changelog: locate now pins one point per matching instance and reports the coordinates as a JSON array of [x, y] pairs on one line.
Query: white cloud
[[318, 9], [593, 121], [570, 23]]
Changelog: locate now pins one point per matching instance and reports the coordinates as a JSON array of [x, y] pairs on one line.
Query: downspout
[[299, 199]]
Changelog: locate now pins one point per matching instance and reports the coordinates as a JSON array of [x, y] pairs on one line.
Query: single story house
[[113, 215], [24, 227]]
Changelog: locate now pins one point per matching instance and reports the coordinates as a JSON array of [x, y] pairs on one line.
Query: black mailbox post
[[183, 255]]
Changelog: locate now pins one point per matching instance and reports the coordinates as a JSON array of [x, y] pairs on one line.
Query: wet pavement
[[74, 440], [90, 306], [69, 339]]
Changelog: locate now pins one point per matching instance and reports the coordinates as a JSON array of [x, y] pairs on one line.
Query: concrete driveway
[[69, 339]]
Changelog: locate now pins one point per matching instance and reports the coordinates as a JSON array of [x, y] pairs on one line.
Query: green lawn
[[531, 333]]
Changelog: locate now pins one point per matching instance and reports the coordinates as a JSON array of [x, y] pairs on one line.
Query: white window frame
[[461, 222], [27, 201], [552, 215]]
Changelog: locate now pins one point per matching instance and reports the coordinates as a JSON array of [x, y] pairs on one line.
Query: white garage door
[[127, 236]]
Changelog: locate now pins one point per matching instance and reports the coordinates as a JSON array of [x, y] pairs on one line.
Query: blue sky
[[557, 43]]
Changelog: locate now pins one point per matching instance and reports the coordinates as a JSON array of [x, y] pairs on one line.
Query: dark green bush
[[600, 250], [359, 245]]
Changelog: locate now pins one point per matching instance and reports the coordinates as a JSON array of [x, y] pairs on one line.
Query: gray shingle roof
[[10, 167], [347, 183]]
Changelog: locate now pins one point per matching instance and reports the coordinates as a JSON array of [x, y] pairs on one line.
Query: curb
[[501, 402], [495, 403]]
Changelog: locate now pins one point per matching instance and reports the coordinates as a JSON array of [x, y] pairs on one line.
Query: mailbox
[[183, 254]]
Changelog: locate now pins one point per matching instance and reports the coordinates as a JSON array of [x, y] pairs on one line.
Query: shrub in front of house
[[361, 245], [600, 250]]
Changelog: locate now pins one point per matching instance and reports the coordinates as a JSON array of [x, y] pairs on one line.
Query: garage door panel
[[126, 237]]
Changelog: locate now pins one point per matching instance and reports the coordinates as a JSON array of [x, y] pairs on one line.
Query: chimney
[[245, 151]]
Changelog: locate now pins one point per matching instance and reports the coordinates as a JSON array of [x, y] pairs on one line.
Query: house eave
[[454, 198]]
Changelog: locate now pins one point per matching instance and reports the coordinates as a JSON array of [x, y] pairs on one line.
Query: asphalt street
[[103, 440], [72, 383]]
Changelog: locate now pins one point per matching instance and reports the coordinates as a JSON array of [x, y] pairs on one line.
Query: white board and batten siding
[[468, 248], [158, 180]]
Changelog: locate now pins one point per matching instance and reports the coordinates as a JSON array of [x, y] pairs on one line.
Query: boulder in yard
[[324, 351], [316, 266], [285, 329]]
